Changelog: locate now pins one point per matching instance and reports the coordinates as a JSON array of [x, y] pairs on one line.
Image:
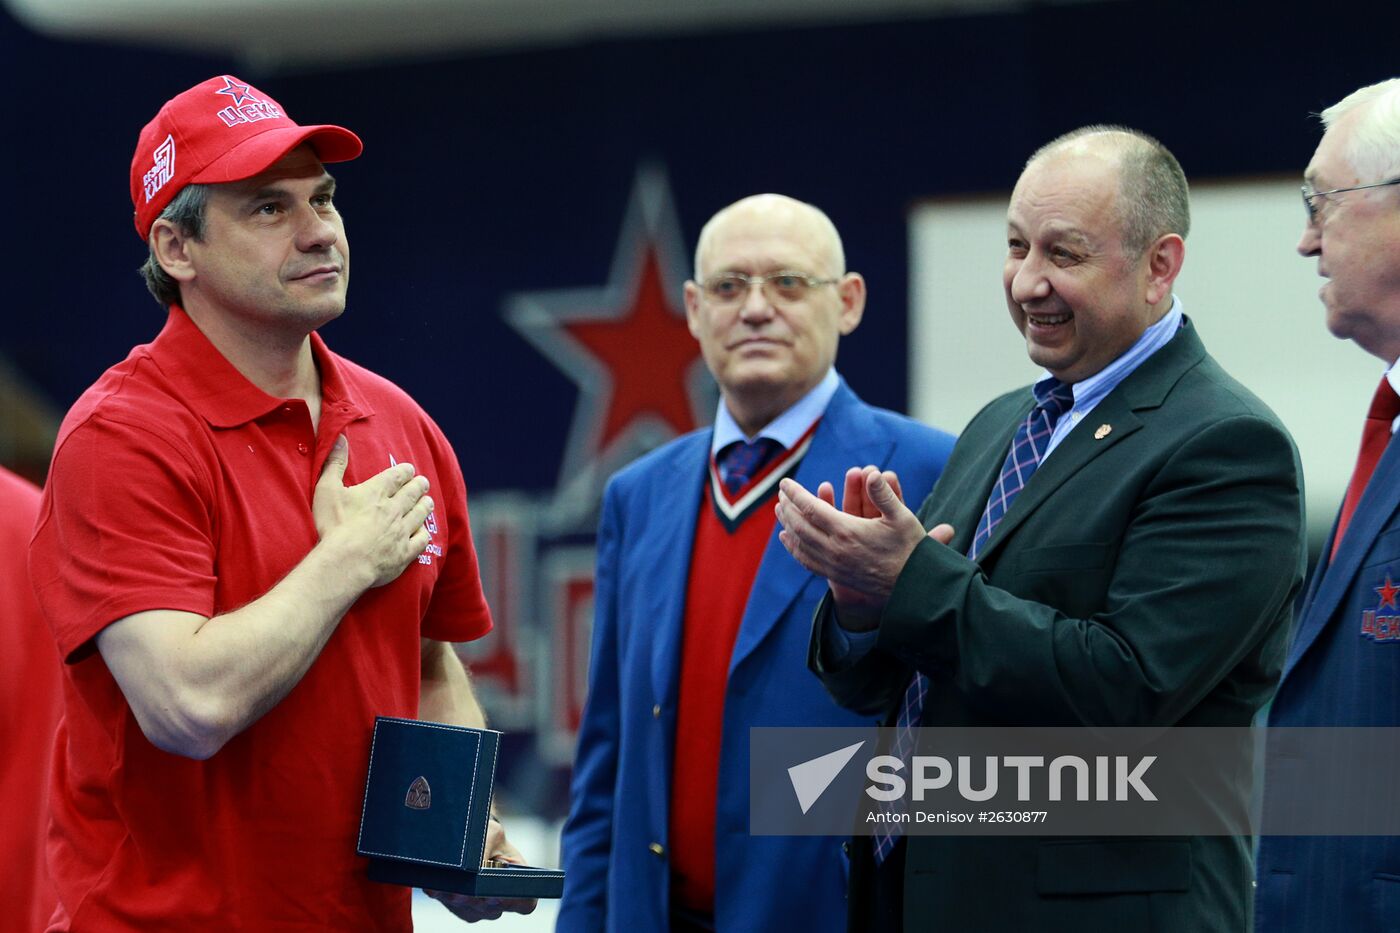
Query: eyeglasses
[[1309, 195], [781, 288]]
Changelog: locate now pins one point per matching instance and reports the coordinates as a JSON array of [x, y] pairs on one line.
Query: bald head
[[1153, 198], [796, 221], [769, 345]]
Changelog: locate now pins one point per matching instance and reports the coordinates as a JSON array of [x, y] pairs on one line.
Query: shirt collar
[[1088, 392], [788, 427], [223, 396], [1392, 375]]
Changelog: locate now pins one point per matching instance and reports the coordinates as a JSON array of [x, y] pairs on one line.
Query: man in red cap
[[248, 548]]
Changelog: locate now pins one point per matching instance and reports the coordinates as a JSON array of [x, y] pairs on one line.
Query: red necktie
[[1385, 406]]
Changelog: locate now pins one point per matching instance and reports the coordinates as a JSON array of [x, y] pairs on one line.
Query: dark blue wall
[[491, 175]]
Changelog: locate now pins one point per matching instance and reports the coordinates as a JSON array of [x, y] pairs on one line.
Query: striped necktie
[[1053, 398], [740, 461]]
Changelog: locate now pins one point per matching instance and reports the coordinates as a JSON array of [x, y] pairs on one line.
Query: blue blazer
[[1338, 674], [615, 841]]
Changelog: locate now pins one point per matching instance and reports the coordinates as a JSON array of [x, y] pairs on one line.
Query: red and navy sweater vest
[[731, 535]]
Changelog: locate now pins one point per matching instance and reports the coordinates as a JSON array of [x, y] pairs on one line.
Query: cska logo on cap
[[246, 106], [162, 170]]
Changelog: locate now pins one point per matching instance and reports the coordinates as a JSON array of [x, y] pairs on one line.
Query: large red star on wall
[[640, 377], [647, 352]]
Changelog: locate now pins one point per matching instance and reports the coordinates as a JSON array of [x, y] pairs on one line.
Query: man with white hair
[[701, 620], [1343, 667]]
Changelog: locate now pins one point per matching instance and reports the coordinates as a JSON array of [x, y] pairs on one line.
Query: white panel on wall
[[963, 349], [1253, 299]]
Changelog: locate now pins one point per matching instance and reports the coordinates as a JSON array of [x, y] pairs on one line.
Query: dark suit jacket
[[1142, 578], [1340, 672], [616, 845]]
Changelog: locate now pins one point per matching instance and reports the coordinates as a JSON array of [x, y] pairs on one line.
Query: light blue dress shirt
[[787, 429], [1089, 392]]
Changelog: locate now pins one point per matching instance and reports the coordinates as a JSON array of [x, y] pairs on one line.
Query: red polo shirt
[[178, 484], [31, 699]]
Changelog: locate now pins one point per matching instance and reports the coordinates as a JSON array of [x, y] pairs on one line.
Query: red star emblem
[[1387, 594], [647, 352], [239, 92], [627, 346]]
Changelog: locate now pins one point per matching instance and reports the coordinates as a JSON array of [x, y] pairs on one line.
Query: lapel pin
[[1102, 432]]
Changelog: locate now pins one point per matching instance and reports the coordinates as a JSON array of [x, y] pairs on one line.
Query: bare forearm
[[446, 694], [256, 654], [195, 683]]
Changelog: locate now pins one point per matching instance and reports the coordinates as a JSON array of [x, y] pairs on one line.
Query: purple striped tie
[[742, 460], [1053, 398]]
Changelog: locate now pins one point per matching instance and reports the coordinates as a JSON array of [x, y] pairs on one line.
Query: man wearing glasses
[[1343, 668], [702, 618], [1118, 545]]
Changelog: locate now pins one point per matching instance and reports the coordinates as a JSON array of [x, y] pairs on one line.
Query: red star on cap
[[1387, 594], [239, 92], [627, 346]]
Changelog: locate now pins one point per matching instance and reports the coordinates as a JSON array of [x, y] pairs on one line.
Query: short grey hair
[[1154, 197], [1374, 147], [186, 212]]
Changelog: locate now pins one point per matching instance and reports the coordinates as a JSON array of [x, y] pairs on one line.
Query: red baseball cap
[[218, 131]]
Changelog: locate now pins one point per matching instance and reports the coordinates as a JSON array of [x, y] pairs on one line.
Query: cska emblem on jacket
[[1378, 626]]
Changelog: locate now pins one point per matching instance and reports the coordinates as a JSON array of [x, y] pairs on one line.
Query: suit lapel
[[1079, 448], [962, 495], [847, 436], [671, 547], [1373, 512]]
